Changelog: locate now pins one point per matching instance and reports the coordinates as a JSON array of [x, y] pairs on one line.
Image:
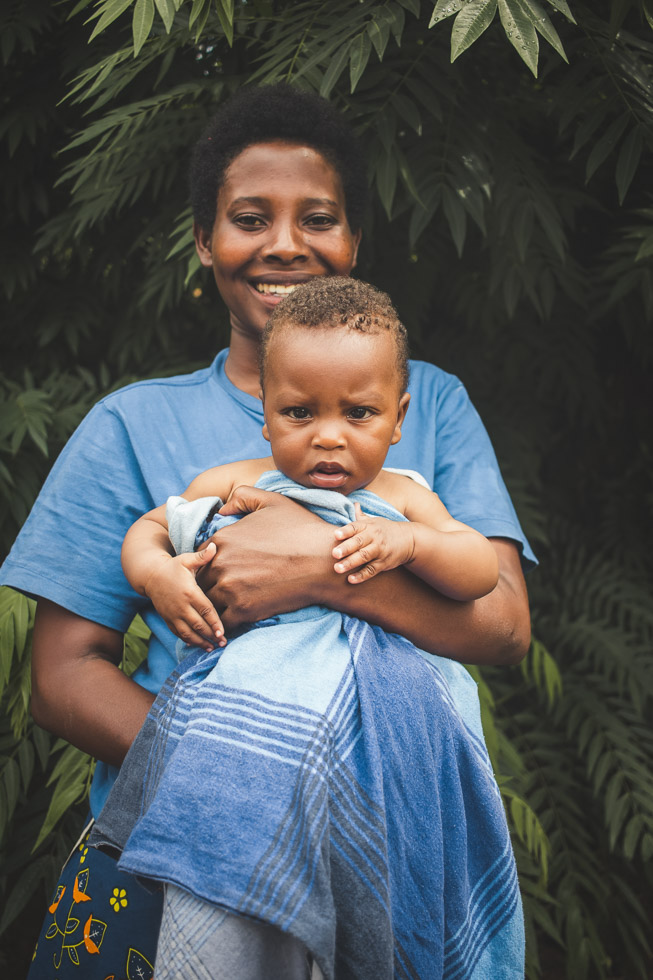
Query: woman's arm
[[278, 558], [78, 691]]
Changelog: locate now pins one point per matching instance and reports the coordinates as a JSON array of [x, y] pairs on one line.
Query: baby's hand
[[180, 602], [372, 545]]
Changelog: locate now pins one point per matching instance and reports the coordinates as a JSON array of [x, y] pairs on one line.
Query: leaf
[[26, 762], [632, 835], [167, 11], [563, 7], [397, 23], [11, 783], [628, 161], [225, 9], [520, 32], [542, 23], [71, 776], [456, 217], [386, 180], [605, 145], [23, 890], [359, 53], [408, 111], [107, 13], [444, 9], [379, 32], [142, 23], [198, 10], [334, 71], [474, 18]]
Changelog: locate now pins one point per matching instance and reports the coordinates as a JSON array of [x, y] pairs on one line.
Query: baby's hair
[[338, 301], [275, 113]]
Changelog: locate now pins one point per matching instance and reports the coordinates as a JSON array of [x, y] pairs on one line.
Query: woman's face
[[280, 220]]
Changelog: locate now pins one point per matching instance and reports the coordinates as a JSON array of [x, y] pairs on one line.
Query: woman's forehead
[[266, 168]]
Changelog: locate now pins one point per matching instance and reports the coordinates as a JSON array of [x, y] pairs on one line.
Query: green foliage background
[[510, 145]]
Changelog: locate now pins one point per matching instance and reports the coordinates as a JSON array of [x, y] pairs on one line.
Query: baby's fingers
[[351, 538], [357, 551], [199, 624]]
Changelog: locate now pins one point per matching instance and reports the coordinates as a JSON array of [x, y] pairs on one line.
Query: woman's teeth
[[274, 288]]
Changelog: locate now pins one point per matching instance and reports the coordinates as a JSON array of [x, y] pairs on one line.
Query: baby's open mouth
[[330, 476]]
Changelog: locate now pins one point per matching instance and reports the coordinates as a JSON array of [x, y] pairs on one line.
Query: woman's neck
[[241, 366]]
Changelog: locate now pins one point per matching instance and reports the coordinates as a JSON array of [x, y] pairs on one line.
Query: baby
[[333, 385], [304, 791]]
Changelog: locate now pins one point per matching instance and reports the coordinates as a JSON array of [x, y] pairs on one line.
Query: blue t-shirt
[[145, 442]]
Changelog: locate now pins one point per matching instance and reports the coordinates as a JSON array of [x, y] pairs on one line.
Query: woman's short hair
[[338, 301], [275, 112]]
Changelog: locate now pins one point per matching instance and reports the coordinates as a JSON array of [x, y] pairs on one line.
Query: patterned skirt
[[102, 924]]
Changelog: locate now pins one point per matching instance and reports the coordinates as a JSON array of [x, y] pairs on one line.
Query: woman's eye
[[360, 412], [297, 412], [321, 220], [248, 221]]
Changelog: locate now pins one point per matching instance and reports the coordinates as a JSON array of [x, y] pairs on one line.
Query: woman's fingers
[[246, 500]]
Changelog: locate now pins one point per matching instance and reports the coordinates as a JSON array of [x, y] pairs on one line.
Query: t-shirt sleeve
[[467, 475], [69, 548]]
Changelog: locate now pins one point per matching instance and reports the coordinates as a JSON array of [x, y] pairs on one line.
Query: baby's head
[[334, 372]]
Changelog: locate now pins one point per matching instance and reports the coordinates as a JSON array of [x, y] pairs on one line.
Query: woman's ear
[[402, 408], [203, 244], [357, 240]]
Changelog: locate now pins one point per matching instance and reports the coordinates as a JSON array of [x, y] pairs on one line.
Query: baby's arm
[[168, 580], [451, 557]]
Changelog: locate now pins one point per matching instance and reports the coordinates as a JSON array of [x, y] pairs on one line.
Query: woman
[[277, 192]]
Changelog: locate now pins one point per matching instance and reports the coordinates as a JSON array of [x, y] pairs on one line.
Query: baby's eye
[[360, 412], [298, 412]]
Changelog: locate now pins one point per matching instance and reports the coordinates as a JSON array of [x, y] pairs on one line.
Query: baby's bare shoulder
[[221, 481], [399, 490]]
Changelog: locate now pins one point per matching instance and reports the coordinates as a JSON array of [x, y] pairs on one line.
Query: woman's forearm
[[78, 691], [278, 558]]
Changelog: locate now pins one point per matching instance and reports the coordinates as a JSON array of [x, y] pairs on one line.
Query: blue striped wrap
[[331, 779]]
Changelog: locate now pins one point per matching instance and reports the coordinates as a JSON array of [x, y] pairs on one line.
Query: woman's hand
[[176, 596], [276, 559]]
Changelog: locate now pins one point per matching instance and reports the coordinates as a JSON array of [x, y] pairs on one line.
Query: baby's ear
[[266, 434], [402, 408]]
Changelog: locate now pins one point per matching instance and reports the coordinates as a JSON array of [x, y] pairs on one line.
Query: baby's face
[[333, 405]]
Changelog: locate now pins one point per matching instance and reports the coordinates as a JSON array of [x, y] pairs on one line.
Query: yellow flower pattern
[[118, 899]]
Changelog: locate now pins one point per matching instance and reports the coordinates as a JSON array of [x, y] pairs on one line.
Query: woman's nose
[[285, 242]]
